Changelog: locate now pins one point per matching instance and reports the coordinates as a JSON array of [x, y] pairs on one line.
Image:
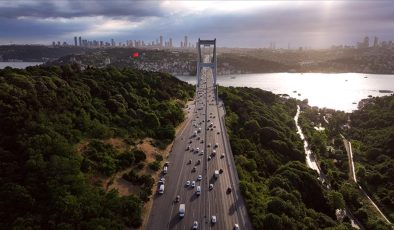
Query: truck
[[165, 170], [216, 175], [182, 210]]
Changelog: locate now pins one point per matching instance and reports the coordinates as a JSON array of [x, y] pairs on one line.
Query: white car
[[188, 183], [199, 177], [195, 225], [236, 227], [193, 184], [209, 158], [213, 219], [210, 186], [222, 155]]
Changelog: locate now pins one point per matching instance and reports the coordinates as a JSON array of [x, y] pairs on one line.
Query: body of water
[[340, 91], [18, 65]]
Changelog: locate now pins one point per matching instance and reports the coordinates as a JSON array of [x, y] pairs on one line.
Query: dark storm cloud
[[80, 8], [315, 23]]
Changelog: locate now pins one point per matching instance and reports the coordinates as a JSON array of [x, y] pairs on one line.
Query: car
[[199, 177], [211, 129], [190, 141], [194, 169], [218, 132], [210, 186], [177, 198], [216, 145], [202, 141], [209, 145], [188, 148], [221, 156], [236, 227], [209, 158], [229, 190], [220, 171], [213, 219], [190, 161], [198, 190], [195, 225], [162, 180], [187, 183], [213, 153], [193, 184]]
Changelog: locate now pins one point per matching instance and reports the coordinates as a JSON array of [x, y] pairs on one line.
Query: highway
[[204, 130]]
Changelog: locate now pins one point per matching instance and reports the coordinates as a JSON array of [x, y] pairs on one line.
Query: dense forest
[[372, 135], [47, 111], [365, 136], [279, 190]]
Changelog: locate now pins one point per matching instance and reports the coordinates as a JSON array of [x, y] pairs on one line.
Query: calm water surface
[[337, 91], [18, 65]]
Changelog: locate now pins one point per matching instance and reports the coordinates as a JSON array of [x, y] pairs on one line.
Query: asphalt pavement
[[204, 130]]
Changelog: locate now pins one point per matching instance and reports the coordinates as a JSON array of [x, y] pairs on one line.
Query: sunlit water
[[18, 65], [341, 91]]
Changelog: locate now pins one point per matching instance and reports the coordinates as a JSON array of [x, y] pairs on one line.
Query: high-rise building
[[112, 42], [375, 42], [366, 42], [170, 42], [161, 41], [185, 42], [75, 41], [80, 41]]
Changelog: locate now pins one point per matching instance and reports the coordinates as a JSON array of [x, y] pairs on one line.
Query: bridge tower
[[201, 62]]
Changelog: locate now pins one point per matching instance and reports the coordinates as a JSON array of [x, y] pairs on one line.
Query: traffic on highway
[[198, 188]]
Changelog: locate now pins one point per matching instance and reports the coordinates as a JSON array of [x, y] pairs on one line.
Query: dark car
[[229, 190]]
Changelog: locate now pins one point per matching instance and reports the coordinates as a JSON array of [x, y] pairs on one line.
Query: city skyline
[[250, 24]]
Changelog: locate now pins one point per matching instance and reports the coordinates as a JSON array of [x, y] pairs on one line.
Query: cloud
[[255, 24], [80, 8]]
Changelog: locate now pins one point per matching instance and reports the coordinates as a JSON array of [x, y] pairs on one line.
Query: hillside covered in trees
[[372, 135], [280, 191], [47, 111]]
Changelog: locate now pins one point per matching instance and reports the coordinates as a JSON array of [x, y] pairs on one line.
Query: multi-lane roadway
[[199, 150]]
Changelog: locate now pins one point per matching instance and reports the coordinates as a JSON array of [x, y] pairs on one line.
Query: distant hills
[[230, 61]]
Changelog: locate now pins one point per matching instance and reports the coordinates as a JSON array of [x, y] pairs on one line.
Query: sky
[[249, 24]]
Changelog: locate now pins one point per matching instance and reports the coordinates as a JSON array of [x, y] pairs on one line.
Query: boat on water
[[299, 94], [295, 91], [370, 95], [385, 91], [354, 103], [232, 77]]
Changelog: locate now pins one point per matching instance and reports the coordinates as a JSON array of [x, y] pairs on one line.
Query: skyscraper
[[366, 42], [375, 42], [112, 42], [75, 41], [171, 42], [161, 41], [185, 42], [80, 41]]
